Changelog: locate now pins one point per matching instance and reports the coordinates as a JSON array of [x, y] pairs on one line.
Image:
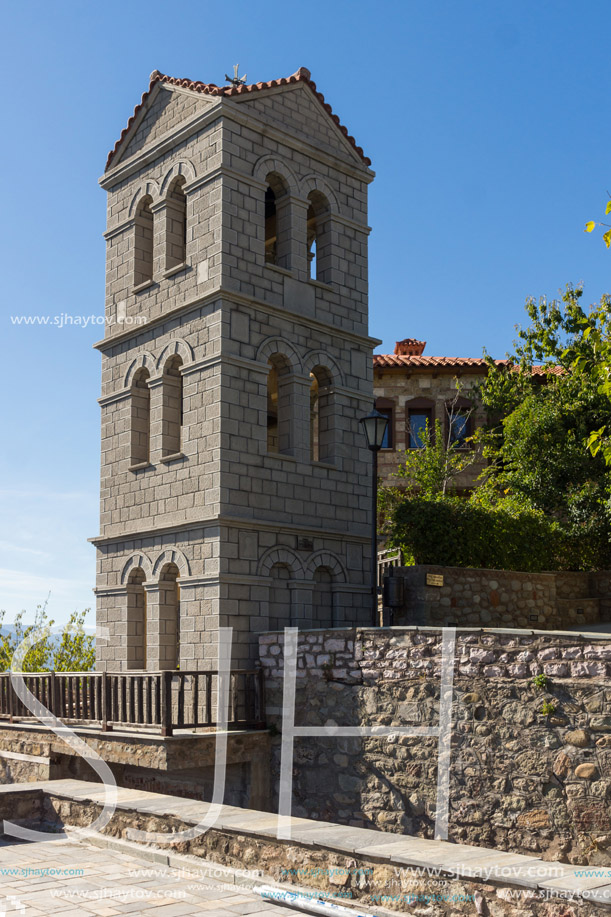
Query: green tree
[[432, 469], [428, 472], [544, 502], [74, 651], [537, 449], [589, 357]]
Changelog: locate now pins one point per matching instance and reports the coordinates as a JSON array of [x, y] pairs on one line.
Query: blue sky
[[488, 129]]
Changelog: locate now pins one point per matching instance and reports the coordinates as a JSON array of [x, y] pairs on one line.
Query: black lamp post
[[374, 426]]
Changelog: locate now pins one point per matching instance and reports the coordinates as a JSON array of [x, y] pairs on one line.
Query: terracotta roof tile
[[300, 76], [403, 361]]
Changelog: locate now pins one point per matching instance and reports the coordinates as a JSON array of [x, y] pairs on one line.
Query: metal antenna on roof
[[236, 80]]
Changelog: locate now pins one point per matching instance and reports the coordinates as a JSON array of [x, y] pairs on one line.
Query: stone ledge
[[173, 457], [477, 869], [366, 653], [142, 749]]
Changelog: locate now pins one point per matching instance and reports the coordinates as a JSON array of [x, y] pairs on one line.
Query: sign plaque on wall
[[305, 544], [434, 579]]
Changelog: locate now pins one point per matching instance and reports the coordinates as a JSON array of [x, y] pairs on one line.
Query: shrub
[[454, 532]]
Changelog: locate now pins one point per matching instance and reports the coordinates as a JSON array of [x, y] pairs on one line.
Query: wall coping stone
[[458, 860], [420, 628]]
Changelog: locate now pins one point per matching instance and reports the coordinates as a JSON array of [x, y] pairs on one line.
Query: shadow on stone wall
[[530, 762]]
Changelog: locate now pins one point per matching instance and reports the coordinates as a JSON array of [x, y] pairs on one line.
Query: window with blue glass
[[459, 429], [387, 442], [420, 427]]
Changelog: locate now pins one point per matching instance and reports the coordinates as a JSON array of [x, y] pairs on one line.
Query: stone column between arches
[[111, 628], [163, 633], [301, 416]]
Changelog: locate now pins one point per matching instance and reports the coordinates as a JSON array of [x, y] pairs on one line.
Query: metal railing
[[159, 701], [386, 561]]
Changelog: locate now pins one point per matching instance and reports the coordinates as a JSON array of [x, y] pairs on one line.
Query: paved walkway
[[72, 879], [120, 879]]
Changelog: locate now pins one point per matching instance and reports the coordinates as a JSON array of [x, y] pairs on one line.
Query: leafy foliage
[[540, 682], [545, 498], [589, 358], [538, 451], [73, 652], [455, 532], [592, 224], [429, 471]]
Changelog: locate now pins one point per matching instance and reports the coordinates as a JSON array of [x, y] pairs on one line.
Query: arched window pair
[[175, 235], [280, 404], [171, 413], [167, 653], [279, 229], [282, 608]]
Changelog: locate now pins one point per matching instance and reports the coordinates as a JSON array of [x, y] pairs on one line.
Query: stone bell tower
[[235, 365]]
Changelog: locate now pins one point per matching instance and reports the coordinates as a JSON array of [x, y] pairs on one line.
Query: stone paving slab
[[601, 895], [411, 851], [360, 837], [572, 882], [489, 866], [106, 887], [308, 835]]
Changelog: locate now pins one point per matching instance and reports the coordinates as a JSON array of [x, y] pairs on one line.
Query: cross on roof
[[236, 80]]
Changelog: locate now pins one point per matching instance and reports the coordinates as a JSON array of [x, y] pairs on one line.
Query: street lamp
[[374, 426]]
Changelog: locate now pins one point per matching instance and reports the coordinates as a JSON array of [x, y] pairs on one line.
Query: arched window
[[176, 225], [140, 418], [169, 617], [143, 242], [277, 222], [322, 416], [136, 620], [279, 597], [279, 408], [172, 407], [319, 237], [322, 598]]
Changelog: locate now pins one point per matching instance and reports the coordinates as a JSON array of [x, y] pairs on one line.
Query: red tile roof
[[401, 361], [301, 76]]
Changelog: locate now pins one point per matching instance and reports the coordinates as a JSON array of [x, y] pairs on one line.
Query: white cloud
[[6, 546]]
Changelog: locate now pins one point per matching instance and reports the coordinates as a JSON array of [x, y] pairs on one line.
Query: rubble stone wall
[[530, 763], [465, 596]]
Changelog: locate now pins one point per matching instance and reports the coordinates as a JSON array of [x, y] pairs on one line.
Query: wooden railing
[[160, 701]]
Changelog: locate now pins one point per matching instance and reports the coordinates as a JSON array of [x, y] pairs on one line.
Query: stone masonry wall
[[182, 765], [501, 598], [249, 530], [530, 763]]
